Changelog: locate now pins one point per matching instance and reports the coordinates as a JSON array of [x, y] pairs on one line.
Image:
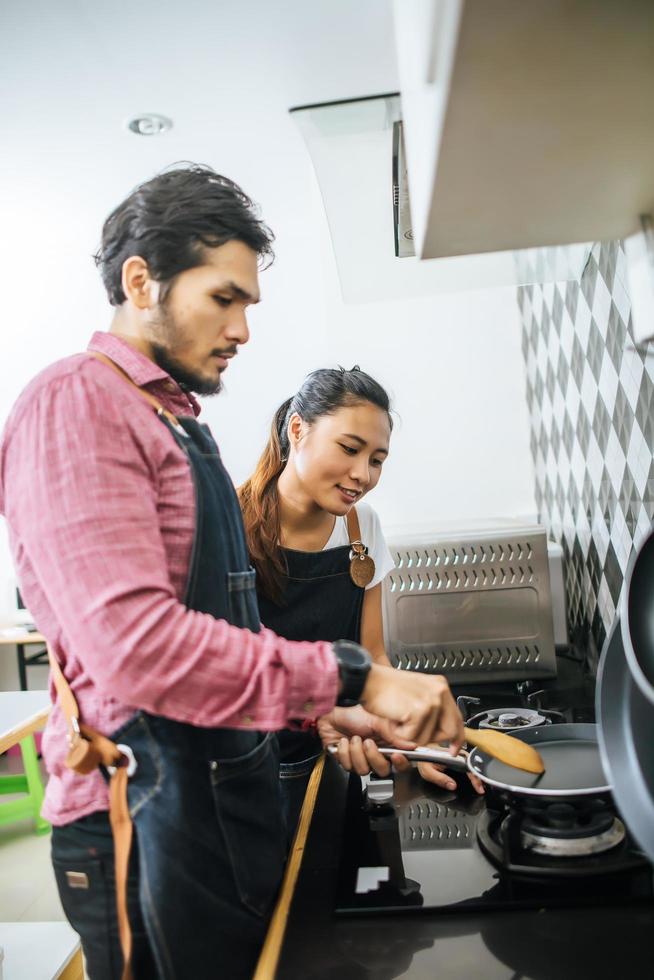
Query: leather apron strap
[[353, 527], [362, 566], [88, 750]]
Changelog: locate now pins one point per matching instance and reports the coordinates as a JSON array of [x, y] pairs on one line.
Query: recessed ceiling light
[[149, 124]]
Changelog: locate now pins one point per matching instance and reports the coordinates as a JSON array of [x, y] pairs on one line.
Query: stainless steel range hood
[[357, 154]]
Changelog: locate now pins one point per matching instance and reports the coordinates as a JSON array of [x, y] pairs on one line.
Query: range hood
[[357, 151], [526, 123]]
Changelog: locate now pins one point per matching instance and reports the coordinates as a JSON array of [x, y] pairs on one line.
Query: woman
[[303, 516]]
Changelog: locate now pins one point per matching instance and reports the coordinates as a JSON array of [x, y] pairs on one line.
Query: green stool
[[21, 714], [29, 783]]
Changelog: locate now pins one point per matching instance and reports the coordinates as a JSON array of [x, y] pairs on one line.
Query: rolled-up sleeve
[[86, 514]]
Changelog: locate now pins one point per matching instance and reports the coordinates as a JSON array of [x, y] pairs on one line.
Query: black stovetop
[[419, 848]]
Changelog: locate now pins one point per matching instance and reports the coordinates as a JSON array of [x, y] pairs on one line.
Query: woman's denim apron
[[206, 802], [320, 602]]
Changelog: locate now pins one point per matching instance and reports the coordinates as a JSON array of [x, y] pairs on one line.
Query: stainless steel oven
[[475, 606]]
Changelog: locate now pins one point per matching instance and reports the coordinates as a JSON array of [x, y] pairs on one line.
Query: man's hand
[[421, 705]]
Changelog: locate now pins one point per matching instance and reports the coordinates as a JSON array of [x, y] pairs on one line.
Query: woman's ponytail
[[260, 506]]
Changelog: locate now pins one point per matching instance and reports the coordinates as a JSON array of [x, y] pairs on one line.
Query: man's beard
[[187, 380], [167, 329]]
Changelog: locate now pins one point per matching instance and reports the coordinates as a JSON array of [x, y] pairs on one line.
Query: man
[[128, 543]]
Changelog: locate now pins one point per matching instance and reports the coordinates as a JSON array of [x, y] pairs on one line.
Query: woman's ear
[[295, 430]]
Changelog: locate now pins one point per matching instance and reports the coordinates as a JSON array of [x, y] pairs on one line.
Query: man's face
[[202, 321]]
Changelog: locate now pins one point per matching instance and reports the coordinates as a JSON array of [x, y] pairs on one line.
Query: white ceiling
[[73, 71]]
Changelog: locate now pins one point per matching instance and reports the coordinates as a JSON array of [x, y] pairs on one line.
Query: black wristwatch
[[353, 667]]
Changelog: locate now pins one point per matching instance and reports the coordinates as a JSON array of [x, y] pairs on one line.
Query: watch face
[[352, 655]]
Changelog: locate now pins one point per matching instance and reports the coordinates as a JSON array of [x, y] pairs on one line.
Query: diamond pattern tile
[[590, 394]]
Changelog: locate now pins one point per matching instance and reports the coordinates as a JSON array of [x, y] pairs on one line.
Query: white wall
[[452, 362]]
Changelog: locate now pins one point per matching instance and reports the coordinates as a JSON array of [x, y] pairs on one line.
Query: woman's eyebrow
[[362, 442]]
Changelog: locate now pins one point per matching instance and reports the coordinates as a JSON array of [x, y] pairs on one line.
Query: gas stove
[[409, 845], [511, 708]]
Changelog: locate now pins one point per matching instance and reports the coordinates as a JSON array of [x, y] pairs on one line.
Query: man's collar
[[138, 366]]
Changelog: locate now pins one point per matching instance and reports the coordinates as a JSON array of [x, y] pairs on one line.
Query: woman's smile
[[348, 495]]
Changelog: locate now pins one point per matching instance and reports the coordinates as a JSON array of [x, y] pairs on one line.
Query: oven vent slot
[[425, 825], [459, 578], [448, 660], [464, 554]]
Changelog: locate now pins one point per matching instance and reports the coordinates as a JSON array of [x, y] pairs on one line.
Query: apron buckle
[[132, 764]]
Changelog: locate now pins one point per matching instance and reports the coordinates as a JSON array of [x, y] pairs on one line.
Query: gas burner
[[557, 841], [514, 719], [565, 830], [562, 847], [561, 831]]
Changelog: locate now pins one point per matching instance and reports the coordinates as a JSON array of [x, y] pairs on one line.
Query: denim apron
[[320, 602], [206, 802]]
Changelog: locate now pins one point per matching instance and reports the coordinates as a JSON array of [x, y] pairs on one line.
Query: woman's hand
[[363, 756], [356, 732], [437, 774]]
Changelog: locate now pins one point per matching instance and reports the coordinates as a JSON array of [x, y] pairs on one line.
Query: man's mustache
[[225, 351]]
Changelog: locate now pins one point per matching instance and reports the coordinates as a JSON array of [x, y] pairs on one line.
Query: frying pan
[[637, 616], [626, 738], [573, 767]]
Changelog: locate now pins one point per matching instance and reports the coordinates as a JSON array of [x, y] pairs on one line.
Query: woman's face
[[339, 457]]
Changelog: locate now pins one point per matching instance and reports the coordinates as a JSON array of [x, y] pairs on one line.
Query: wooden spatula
[[511, 751]]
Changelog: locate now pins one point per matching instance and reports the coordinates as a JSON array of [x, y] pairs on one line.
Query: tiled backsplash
[[591, 400]]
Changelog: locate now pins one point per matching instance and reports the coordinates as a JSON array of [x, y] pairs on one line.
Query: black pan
[[626, 736], [637, 616], [573, 766]]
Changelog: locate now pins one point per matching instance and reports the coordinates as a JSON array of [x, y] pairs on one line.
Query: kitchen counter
[[554, 944]]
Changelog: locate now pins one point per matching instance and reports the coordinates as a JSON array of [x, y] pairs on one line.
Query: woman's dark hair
[[168, 220], [323, 392]]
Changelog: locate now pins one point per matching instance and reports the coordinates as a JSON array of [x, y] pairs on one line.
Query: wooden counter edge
[[24, 728], [21, 639], [269, 958]]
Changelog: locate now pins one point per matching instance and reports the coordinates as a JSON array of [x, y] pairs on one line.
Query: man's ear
[[137, 285]]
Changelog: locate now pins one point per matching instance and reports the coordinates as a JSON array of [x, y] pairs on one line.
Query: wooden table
[[21, 714], [40, 951], [20, 638]]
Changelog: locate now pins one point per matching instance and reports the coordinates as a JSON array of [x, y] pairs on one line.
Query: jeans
[[294, 780], [206, 808], [83, 861], [208, 862]]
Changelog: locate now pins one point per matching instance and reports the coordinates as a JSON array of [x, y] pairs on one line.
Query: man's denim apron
[[320, 602], [206, 802]]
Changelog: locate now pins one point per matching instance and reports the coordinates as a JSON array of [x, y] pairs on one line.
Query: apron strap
[[88, 750], [354, 532], [154, 402]]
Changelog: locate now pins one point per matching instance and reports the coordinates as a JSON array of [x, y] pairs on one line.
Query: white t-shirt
[[373, 538]]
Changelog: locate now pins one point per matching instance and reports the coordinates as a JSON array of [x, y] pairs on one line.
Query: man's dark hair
[[168, 220]]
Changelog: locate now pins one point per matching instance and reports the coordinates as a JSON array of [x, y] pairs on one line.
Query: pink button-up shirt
[[99, 503]]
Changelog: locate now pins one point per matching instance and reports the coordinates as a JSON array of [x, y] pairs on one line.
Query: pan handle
[[439, 756]]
